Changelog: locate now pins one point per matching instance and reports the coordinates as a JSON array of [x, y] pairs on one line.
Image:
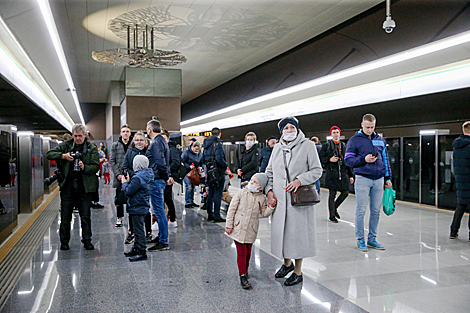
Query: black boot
[[88, 245], [284, 270], [245, 282]]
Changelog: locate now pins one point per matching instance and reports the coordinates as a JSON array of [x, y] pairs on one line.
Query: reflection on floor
[[421, 270]]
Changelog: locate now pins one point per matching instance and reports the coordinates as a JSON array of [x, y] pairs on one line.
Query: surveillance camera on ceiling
[[389, 25], [154, 118]]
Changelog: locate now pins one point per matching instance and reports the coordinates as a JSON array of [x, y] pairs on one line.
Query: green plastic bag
[[388, 201]]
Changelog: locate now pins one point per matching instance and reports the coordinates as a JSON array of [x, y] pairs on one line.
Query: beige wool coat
[[293, 233], [243, 215]]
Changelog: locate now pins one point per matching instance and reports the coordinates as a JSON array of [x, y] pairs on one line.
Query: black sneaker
[[453, 235], [210, 218], [337, 215], [88, 245], [131, 252], [219, 220], [188, 206], [64, 246], [97, 205], [284, 270], [194, 205], [129, 239], [294, 279], [154, 240], [149, 238], [139, 257], [159, 247], [245, 282]]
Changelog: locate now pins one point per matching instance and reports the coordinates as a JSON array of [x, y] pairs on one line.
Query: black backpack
[[214, 176], [180, 173]]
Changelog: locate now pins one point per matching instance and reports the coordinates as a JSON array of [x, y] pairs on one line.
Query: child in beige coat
[[243, 221]]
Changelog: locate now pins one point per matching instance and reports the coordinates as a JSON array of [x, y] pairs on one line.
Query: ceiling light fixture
[[439, 45], [51, 27], [140, 51]]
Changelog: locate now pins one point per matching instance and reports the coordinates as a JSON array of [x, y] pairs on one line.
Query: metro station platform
[[421, 270]]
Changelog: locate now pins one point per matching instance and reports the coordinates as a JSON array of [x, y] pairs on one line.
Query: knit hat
[[263, 179], [286, 121], [140, 162], [272, 137], [335, 127]]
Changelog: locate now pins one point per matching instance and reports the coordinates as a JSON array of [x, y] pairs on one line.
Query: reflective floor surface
[[421, 270]]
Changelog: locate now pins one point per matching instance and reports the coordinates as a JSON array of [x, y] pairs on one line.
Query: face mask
[[289, 136], [253, 188], [249, 143]]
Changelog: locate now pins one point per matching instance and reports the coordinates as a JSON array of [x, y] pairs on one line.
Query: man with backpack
[[214, 159]]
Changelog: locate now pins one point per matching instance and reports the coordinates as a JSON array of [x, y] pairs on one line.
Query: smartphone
[[125, 172], [375, 154]]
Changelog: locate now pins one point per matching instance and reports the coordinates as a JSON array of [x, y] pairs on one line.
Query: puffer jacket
[[462, 168], [129, 159], [138, 192], [249, 161], [243, 215]]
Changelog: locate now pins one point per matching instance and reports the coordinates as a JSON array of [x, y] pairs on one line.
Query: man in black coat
[[338, 175], [462, 177]]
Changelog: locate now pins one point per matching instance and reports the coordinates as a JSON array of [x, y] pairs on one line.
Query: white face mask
[[249, 143], [252, 188], [289, 136]]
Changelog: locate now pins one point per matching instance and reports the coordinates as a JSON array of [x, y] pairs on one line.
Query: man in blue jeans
[[159, 157], [366, 152]]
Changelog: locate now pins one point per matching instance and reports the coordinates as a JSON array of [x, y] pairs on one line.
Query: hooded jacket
[[138, 192], [249, 161], [129, 159], [208, 145], [159, 156], [361, 145], [243, 215], [462, 168]]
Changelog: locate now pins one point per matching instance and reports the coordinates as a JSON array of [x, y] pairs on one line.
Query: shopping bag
[[388, 201]]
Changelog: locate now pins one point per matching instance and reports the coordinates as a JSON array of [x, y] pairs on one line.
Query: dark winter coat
[[265, 154], [208, 145], [159, 158], [189, 157], [361, 145], [175, 158], [337, 173], [138, 192], [462, 168], [90, 159], [249, 161], [129, 159]]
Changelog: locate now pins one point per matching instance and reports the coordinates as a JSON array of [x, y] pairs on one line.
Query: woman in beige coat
[[243, 221]]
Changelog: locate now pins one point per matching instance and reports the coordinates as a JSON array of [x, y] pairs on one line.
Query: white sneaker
[[118, 222], [172, 224]]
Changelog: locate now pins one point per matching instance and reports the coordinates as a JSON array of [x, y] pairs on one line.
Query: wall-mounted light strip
[[51, 27], [394, 59], [439, 79], [13, 66], [25, 133]]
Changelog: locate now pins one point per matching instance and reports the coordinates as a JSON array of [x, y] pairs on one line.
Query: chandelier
[[140, 54]]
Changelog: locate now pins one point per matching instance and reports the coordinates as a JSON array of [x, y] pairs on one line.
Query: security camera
[[389, 25], [154, 117]]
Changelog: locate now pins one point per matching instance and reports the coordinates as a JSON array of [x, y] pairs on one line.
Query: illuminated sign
[[205, 134]]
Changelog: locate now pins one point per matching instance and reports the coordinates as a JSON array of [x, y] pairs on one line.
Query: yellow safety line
[[13, 240]]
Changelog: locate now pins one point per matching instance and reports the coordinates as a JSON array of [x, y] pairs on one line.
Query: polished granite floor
[[420, 271]]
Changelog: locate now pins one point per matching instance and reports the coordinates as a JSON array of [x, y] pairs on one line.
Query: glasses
[[139, 139]]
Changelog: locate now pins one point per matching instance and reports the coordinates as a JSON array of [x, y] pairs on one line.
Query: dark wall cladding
[[354, 42]]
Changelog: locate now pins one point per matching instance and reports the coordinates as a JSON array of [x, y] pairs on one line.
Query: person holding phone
[[366, 153]]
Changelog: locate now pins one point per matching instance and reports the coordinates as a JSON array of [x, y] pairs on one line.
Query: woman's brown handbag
[[305, 195], [194, 176]]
